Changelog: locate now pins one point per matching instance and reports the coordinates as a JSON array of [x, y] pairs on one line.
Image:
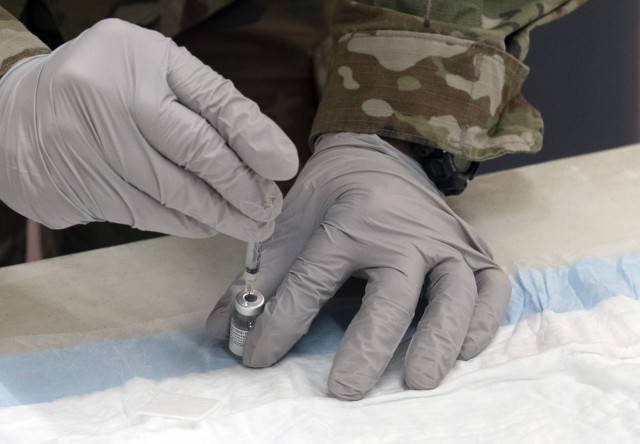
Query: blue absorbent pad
[[44, 376]]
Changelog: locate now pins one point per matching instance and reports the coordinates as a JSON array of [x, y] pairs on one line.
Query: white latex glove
[[122, 125], [360, 206]]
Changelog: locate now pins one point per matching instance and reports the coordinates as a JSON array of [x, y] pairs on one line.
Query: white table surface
[[527, 215]]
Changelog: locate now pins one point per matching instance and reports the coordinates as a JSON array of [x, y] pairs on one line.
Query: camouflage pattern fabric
[[265, 47], [442, 73], [16, 42], [435, 72]]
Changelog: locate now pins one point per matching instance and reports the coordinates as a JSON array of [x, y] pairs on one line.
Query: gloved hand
[[122, 125], [360, 206]]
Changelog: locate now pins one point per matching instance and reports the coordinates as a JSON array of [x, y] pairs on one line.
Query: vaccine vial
[[248, 306]]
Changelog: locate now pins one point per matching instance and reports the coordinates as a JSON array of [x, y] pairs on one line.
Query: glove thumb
[[220, 318]]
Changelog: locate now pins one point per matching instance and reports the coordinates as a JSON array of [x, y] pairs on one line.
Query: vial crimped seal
[[248, 306]]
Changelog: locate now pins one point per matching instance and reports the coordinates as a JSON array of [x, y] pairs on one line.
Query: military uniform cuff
[[459, 95]]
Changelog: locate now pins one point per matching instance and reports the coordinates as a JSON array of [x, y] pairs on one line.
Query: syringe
[[248, 303], [252, 265]]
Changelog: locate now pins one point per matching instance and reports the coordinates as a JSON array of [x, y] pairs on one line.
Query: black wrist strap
[[449, 172]]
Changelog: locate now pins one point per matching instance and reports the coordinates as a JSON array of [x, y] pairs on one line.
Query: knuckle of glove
[[217, 324], [218, 321]]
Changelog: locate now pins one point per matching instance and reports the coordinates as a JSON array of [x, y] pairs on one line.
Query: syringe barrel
[[252, 258]]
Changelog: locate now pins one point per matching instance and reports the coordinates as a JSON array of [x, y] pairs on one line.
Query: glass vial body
[[247, 308]]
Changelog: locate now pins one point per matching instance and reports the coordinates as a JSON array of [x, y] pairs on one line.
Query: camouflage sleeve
[[16, 42], [435, 72]]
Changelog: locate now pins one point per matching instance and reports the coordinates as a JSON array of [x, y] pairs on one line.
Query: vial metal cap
[[249, 304]]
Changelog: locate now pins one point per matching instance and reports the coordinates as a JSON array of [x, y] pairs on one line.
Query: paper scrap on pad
[[178, 406]]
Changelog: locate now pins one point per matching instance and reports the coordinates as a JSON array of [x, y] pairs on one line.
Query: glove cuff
[[371, 142]]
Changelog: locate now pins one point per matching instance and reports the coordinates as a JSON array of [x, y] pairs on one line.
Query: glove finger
[[375, 332], [178, 190], [440, 333], [294, 227], [314, 277], [143, 212], [275, 261], [219, 319], [191, 142], [494, 293], [277, 256], [258, 141]]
